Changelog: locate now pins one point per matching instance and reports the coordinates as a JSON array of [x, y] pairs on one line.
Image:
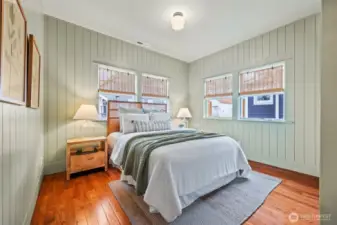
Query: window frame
[[206, 99], [134, 73], [282, 63], [99, 91], [167, 98], [144, 75]]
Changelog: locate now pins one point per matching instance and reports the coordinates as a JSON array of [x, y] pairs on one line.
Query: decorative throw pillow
[[123, 110], [129, 121], [160, 116], [143, 126], [151, 110]]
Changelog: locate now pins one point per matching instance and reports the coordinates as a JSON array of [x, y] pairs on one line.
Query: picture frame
[[263, 100], [33, 74], [13, 53]]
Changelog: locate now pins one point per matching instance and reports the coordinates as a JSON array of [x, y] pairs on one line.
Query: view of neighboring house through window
[[218, 97], [262, 94], [115, 84], [155, 89]]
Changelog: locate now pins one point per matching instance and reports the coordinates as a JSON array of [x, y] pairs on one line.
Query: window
[[115, 84], [218, 97], [155, 89], [262, 94]]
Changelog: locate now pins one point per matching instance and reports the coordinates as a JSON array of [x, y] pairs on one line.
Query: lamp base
[[184, 123]]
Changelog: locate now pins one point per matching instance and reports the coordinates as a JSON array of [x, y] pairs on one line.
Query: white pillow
[[128, 121], [123, 111], [160, 116]]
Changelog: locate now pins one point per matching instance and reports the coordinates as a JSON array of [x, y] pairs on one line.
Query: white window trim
[[102, 66], [267, 119], [205, 113], [266, 67], [158, 77], [282, 63], [119, 70], [215, 117]]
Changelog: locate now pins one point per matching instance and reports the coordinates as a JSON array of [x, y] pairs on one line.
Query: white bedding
[[113, 137], [180, 173]]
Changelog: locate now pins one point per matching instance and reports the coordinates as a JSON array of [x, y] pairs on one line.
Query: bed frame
[[113, 112]]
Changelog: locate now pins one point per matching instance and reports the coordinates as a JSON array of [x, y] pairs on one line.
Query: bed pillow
[[129, 121], [158, 125], [151, 110], [123, 110], [159, 116]]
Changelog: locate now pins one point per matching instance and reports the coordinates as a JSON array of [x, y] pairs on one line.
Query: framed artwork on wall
[[13, 52], [34, 68]]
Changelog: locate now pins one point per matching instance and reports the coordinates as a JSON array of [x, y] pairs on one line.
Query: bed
[[177, 174]]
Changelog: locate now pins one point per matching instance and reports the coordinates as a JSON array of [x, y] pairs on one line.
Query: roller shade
[[154, 86], [266, 80], [218, 86], [116, 81]]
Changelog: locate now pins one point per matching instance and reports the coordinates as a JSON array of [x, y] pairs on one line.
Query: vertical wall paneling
[[273, 43], [6, 165], [299, 90], [21, 141], [2, 156], [61, 83], [70, 79], [266, 45], [51, 107], [309, 90], [71, 71], [294, 144], [318, 39]]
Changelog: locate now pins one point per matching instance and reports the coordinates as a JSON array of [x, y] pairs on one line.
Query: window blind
[[116, 81], [218, 86], [262, 81], [154, 86]]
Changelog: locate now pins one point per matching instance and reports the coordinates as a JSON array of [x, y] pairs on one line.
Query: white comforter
[[179, 172]]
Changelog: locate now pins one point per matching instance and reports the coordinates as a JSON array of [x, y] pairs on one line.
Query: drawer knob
[[91, 158]]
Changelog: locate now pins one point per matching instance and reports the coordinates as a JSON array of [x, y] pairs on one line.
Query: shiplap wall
[[71, 80], [292, 145], [21, 144]]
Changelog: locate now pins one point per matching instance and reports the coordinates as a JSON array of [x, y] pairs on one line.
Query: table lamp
[[183, 114], [86, 113]]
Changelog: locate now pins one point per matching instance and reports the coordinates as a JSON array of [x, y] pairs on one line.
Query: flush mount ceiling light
[[178, 21]]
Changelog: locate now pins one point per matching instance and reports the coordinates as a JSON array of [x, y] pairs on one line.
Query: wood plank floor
[[87, 199]]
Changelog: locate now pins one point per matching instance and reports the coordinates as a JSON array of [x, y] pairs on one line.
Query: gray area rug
[[232, 204]]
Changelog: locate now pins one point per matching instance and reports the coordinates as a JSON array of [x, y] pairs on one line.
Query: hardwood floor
[[87, 199]]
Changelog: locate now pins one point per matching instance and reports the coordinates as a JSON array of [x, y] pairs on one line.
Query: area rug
[[230, 205]]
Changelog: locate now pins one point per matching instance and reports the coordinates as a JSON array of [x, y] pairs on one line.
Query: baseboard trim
[[54, 167], [292, 166], [29, 214]]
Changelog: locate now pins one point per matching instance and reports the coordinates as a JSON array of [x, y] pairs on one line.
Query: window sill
[[250, 120], [219, 118], [266, 121]]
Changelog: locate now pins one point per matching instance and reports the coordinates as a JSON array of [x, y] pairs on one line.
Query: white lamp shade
[[86, 112], [184, 113]]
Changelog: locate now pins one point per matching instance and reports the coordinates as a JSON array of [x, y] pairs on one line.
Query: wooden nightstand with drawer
[[86, 154]]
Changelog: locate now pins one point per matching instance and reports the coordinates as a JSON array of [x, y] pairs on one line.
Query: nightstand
[[85, 154]]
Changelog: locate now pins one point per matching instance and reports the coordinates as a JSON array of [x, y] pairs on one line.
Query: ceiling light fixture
[[178, 21]]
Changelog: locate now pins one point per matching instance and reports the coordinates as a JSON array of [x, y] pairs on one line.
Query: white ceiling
[[211, 25]]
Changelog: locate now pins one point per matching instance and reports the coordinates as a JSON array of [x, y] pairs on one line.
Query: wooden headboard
[[113, 112]]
